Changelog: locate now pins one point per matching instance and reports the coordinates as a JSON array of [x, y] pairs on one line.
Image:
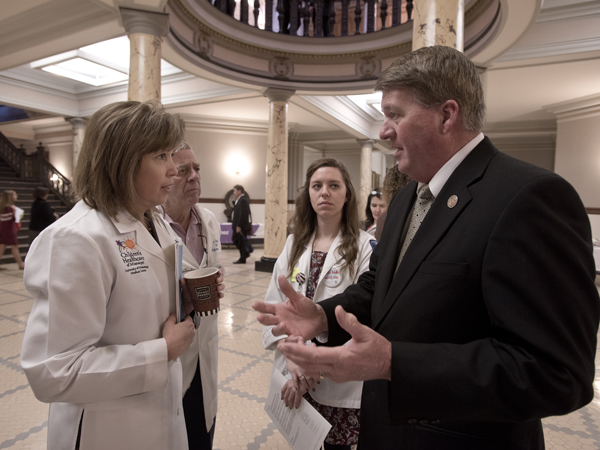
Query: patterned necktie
[[424, 200]]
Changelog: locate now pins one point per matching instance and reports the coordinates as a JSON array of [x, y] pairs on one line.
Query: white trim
[[582, 10], [553, 49]]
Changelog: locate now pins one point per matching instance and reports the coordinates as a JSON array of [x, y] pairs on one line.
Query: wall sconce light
[[238, 165], [54, 177]]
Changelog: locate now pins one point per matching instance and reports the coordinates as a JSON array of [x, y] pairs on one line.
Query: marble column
[[438, 22], [276, 189], [366, 163], [78, 124], [145, 30]]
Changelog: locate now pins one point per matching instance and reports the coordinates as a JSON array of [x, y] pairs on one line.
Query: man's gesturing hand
[[367, 356], [297, 316]]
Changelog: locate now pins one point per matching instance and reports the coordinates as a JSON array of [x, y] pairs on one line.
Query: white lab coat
[[332, 281], [102, 291], [205, 344]]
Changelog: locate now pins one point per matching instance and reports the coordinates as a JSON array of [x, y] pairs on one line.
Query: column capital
[[366, 143], [76, 121], [278, 95], [147, 22]]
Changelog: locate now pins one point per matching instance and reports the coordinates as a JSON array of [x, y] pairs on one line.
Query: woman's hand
[[179, 336], [188, 305], [293, 390], [221, 285]]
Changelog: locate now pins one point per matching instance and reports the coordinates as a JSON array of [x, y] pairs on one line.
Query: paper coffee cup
[[202, 287]]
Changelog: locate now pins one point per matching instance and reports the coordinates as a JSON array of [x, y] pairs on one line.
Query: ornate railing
[[35, 168], [319, 18]]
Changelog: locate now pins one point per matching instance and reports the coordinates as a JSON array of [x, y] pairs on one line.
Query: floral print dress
[[345, 422]]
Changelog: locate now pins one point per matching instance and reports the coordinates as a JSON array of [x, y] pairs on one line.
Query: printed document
[[304, 428]]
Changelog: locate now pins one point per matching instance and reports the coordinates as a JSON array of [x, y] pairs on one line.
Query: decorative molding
[[580, 108], [335, 113], [357, 109], [553, 49], [220, 125], [581, 10]]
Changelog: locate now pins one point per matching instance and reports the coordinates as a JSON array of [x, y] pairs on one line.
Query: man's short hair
[[239, 187], [40, 192], [116, 138], [437, 74]]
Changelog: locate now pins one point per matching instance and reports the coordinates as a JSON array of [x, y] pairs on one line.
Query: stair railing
[[36, 168]]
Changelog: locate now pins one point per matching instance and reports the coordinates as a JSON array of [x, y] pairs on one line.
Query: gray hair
[[435, 75]]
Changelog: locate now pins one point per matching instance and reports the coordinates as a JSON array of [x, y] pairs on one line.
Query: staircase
[[9, 180]]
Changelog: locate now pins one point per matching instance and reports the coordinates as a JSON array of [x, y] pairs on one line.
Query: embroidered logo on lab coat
[[216, 245], [133, 259], [333, 277]]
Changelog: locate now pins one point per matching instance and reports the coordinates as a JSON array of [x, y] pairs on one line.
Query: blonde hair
[[305, 218], [116, 138], [435, 75], [7, 199]]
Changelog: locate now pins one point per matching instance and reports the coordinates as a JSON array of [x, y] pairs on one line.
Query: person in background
[[241, 224], [102, 343], [201, 233], [375, 207], [326, 254], [394, 181], [42, 214], [9, 226], [482, 318]]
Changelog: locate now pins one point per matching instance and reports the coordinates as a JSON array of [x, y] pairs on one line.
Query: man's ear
[[449, 111]]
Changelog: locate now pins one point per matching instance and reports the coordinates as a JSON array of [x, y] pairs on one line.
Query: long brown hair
[[305, 218], [6, 199]]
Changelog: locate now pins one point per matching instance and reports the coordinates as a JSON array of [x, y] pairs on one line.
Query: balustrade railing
[[35, 168], [319, 18]]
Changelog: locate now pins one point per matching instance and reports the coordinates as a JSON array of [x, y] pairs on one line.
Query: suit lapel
[[439, 218]]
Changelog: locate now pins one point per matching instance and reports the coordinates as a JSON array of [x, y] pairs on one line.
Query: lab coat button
[[423, 422], [412, 421]]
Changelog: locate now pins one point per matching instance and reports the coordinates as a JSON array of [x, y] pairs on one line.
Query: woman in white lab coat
[[102, 344], [326, 254]]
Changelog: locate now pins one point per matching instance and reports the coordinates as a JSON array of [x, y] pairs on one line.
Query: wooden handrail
[[318, 18], [35, 168]]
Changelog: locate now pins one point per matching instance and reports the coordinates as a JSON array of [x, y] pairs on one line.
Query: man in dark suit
[[240, 223], [478, 316]]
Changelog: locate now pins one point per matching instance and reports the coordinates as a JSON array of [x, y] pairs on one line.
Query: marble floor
[[244, 371]]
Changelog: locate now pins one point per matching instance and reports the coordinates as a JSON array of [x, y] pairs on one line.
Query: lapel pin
[[452, 201]]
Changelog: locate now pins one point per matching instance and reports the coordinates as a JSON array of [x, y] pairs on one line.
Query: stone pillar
[[276, 192], [438, 22], [78, 124], [145, 30], [366, 169]]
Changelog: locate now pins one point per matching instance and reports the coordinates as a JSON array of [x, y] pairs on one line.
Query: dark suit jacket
[[42, 215], [241, 213], [492, 314]]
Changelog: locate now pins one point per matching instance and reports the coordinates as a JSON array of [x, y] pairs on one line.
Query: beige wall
[[578, 156]]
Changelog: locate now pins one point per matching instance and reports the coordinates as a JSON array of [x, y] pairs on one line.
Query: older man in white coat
[[200, 231]]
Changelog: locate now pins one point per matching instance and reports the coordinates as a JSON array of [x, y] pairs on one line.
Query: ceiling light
[[98, 64]]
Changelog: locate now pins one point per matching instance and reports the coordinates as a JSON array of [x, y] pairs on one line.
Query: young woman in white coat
[[326, 254], [102, 344]]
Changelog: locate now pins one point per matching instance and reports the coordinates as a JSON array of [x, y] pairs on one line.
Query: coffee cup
[[202, 287]]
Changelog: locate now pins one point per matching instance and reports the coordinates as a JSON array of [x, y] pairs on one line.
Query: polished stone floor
[[244, 371]]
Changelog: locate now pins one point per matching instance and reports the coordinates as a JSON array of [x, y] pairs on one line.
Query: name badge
[[333, 277]]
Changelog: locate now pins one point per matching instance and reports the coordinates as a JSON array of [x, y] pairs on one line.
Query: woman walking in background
[[9, 226], [326, 254]]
